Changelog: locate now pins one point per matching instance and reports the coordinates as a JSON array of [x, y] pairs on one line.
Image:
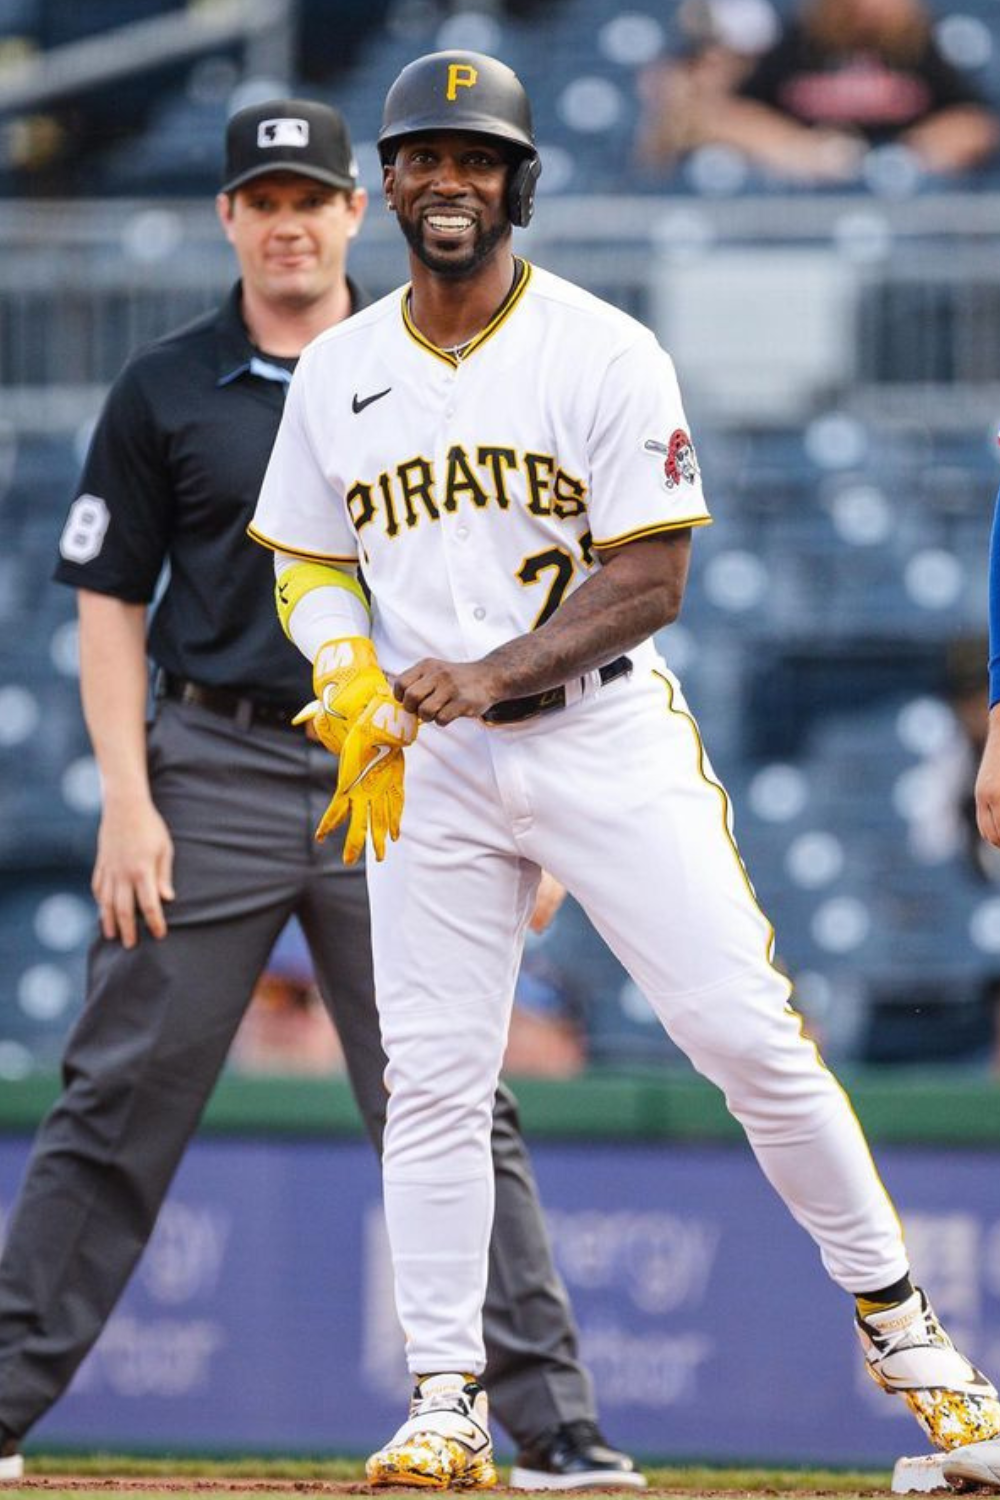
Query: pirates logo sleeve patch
[[680, 463]]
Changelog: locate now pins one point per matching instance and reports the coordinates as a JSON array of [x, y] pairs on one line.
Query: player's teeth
[[439, 221]]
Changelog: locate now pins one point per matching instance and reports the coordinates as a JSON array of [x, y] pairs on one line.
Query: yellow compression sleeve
[[301, 578]]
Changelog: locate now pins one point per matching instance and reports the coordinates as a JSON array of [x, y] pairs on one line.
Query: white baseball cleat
[[444, 1443], [975, 1464], [910, 1355], [11, 1467]]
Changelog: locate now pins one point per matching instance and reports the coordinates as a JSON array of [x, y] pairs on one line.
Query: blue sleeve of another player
[[995, 607]]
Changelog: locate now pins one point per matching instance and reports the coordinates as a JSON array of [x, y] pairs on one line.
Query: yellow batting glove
[[346, 677], [370, 783]]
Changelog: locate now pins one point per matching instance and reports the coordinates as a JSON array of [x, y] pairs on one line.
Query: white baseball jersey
[[473, 491]]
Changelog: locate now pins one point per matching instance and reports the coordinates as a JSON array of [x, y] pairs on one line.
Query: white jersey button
[[479, 612], [462, 532]]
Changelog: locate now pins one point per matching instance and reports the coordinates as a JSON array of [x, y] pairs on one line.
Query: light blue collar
[[261, 367]]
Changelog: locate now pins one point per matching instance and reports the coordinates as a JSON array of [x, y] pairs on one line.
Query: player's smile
[[448, 221]]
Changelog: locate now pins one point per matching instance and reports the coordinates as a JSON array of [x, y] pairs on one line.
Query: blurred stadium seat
[[46, 925]]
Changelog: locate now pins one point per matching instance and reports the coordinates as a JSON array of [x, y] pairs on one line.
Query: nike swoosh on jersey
[[360, 402]]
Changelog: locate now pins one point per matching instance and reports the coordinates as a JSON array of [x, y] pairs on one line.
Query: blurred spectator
[[679, 94], [847, 78], [546, 1037], [287, 1028]]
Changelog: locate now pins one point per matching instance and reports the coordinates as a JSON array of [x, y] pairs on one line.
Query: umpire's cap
[[465, 91], [289, 135]]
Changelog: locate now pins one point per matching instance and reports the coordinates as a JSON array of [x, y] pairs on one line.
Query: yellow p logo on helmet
[[460, 76]]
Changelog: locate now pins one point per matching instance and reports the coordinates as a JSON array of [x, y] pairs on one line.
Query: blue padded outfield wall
[[261, 1316]]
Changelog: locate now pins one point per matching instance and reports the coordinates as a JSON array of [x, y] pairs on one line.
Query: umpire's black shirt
[[172, 476]]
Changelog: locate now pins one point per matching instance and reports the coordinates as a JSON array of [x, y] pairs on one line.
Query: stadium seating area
[[157, 130], [813, 649], [848, 554]]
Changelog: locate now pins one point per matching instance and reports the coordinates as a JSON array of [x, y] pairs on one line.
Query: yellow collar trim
[[501, 315]]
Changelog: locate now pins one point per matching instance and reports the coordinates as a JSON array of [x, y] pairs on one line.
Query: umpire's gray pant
[[148, 1048]]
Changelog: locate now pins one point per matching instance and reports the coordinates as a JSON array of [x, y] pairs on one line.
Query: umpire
[[205, 846]]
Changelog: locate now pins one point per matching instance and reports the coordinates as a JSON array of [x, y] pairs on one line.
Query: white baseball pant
[[616, 797]]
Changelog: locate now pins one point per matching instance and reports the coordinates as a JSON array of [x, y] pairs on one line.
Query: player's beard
[[450, 267]]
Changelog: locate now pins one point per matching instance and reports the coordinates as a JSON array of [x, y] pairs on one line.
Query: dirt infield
[[175, 1478], [192, 1484], [188, 1483]]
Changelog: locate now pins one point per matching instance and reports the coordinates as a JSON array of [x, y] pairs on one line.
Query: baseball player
[[979, 1463], [508, 460], [205, 846]]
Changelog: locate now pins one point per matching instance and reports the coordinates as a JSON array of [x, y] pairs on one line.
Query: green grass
[[118, 1466], [683, 1482]]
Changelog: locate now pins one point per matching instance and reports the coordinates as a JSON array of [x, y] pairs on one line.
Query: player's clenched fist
[[370, 783], [441, 691], [346, 677]]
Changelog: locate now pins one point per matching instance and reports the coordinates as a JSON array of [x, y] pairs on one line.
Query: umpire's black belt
[[513, 710], [242, 710]]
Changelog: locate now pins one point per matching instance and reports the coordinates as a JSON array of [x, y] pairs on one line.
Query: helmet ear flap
[[521, 190]]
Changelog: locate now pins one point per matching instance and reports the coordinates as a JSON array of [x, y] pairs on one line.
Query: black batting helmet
[[470, 92]]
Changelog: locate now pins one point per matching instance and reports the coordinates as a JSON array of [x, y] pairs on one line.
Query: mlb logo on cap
[[289, 135], [283, 133]]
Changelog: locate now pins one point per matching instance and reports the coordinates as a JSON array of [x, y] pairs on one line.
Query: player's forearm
[[113, 690], [636, 592], [994, 610]]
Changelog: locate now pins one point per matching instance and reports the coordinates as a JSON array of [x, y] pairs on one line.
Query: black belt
[[513, 710], [243, 711]]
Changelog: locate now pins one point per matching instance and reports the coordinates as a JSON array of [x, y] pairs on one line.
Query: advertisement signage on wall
[[261, 1316]]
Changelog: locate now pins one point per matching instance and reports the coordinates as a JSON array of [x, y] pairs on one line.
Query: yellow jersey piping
[[769, 950], [501, 315], [654, 530], [266, 541]]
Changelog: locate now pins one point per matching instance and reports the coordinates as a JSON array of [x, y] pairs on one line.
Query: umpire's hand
[[133, 869]]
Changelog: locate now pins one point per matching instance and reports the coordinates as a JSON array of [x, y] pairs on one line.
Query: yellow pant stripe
[[727, 826]]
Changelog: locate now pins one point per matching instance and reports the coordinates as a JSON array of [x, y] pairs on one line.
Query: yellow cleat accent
[[443, 1445], [951, 1419], [909, 1354], [429, 1461]]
